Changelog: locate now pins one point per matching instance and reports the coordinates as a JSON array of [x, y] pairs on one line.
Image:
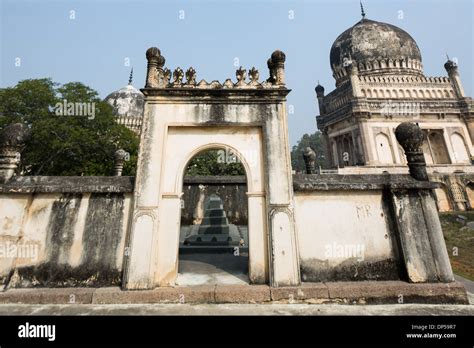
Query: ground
[[458, 235], [236, 309]]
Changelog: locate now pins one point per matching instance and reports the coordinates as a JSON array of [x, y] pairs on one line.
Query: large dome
[[127, 101], [376, 48]]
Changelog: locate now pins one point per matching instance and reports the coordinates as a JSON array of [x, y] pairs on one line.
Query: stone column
[[353, 73], [423, 249], [12, 141], [154, 75], [119, 160], [366, 140], [327, 143], [453, 73], [277, 64], [457, 194], [258, 242], [469, 120], [310, 160], [320, 95], [355, 148], [416, 215], [411, 137], [284, 259]]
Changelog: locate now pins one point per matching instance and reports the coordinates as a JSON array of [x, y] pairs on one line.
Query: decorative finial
[[362, 12], [131, 77], [12, 141], [309, 157], [410, 136], [120, 156], [447, 56]]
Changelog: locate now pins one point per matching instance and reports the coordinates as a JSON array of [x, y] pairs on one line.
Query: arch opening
[[214, 243], [384, 151]]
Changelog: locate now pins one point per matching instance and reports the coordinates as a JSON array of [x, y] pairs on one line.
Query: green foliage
[[215, 162], [315, 141], [459, 242], [66, 145]]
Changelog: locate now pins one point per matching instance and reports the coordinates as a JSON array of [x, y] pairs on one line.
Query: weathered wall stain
[[103, 231], [100, 255], [315, 270], [60, 233]]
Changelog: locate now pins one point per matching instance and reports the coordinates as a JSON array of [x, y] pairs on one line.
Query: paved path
[[468, 284], [200, 269], [236, 309]]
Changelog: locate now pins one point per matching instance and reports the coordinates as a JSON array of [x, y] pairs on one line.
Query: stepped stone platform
[[214, 229], [363, 292]]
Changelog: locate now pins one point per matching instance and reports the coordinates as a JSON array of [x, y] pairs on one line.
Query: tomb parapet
[[163, 81]]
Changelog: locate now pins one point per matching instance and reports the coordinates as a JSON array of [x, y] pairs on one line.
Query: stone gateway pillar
[[420, 234], [183, 118]]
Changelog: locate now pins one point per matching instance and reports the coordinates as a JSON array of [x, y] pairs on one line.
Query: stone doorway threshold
[[363, 292], [212, 269]]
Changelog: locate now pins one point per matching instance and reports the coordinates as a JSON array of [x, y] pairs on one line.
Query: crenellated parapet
[[400, 79], [378, 68], [131, 122], [159, 77]]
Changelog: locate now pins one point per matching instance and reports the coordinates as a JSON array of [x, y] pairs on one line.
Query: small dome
[[319, 89], [127, 101], [450, 65], [278, 56], [376, 48]]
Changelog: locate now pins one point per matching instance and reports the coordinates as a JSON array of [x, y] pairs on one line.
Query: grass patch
[[457, 235]]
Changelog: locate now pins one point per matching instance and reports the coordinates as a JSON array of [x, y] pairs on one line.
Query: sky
[[97, 42]]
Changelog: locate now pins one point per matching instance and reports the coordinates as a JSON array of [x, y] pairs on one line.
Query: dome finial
[[131, 77], [362, 12]]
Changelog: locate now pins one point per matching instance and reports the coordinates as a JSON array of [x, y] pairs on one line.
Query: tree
[[315, 141], [215, 162], [61, 142]]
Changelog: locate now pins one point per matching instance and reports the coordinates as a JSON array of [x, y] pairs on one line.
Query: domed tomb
[[376, 48]]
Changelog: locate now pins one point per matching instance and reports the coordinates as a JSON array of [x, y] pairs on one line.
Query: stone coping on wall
[[68, 184], [215, 179], [335, 182], [124, 184], [218, 95], [362, 292]]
